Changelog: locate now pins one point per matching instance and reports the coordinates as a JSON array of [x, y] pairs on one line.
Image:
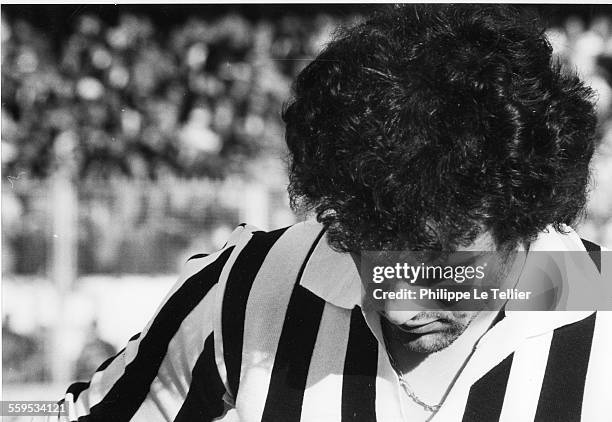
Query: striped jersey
[[271, 328]]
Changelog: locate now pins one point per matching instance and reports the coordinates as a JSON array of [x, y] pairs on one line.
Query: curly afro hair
[[426, 125]]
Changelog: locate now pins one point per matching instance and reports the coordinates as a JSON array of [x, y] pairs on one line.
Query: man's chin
[[429, 342]]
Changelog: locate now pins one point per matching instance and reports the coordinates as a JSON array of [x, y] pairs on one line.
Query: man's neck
[[432, 374]]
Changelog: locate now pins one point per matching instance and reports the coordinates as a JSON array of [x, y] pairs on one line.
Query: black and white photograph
[[306, 212]]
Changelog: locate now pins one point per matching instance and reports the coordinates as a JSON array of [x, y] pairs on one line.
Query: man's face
[[432, 330]]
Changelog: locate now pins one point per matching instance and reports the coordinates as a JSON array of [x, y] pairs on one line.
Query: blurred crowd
[[197, 99]]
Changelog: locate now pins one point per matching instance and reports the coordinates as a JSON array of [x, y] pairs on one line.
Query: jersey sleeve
[[170, 371]]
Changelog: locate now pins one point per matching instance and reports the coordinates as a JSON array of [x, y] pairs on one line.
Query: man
[[425, 128]]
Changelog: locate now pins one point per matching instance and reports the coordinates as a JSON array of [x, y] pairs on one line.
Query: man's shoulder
[[303, 231], [290, 242], [276, 242], [262, 259]]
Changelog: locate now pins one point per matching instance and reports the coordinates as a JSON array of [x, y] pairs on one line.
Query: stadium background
[[134, 136]]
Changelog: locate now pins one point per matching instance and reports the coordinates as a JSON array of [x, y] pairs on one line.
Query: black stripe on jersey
[[293, 355], [565, 375], [237, 290], [486, 398], [360, 368], [128, 393], [76, 389], [204, 401], [594, 251]]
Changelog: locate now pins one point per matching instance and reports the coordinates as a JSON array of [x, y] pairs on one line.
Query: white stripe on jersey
[[525, 380], [324, 382]]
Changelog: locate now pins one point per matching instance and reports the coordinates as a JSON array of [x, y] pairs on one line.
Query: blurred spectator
[[94, 352], [22, 356]]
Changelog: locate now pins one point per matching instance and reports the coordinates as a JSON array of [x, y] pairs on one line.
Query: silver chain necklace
[[430, 408], [407, 389]]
